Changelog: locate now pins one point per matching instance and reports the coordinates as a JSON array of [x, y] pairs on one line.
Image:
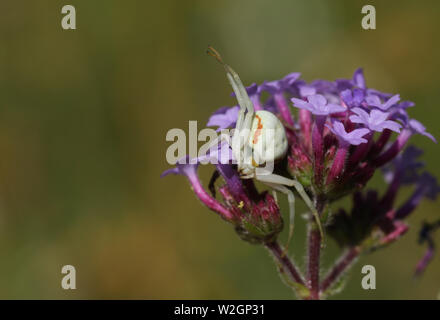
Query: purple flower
[[359, 79], [376, 120], [427, 186], [426, 259], [374, 101], [329, 165], [272, 87], [218, 154], [380, 94], [190, 172], [403, 170], [411, 127], [290, 80], [430, 185], [285, 84], [223, 118], [354, 137], [405, 105], [357, 82], [353, 98], [255, 215], [306, 90], [277, 88], [325, 86], [317, 104], [270, 105], [343, 84], [405, 166], [253, 89], [426, 235], [416, 127], [399, 114]]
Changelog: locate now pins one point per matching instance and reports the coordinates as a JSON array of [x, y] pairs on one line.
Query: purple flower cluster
[[335, 129], [334, 148], [339, 133]]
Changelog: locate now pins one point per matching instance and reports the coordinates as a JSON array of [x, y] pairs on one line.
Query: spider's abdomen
[[267, 138]]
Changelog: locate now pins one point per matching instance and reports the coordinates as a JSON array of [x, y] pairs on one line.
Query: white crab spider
[[270, 147]]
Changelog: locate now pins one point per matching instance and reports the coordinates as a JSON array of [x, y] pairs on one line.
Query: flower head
[[333, 152]]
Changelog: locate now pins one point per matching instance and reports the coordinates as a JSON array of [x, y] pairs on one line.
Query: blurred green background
[[83, 119]]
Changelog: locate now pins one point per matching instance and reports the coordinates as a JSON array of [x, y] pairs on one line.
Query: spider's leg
[[274, 195], [244, 121], [211, 185], [234, 79], [277, 179], [217, 151], [291, 201]]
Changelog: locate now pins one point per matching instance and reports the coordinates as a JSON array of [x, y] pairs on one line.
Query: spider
[[260, 138]]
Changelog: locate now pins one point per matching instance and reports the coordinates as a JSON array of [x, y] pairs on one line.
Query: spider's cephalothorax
[[259, 139]]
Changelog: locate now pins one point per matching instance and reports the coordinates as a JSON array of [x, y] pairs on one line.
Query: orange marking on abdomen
[[258, 131]]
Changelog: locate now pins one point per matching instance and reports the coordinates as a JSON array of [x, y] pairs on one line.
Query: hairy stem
[[286, 264], [314, 252], [313, 264], [341, 266]]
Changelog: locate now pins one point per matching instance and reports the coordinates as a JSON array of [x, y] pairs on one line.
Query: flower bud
[[257, 220]]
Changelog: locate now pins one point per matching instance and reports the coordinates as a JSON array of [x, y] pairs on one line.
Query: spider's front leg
[[280, 181], [291, 201], [246, 112]]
